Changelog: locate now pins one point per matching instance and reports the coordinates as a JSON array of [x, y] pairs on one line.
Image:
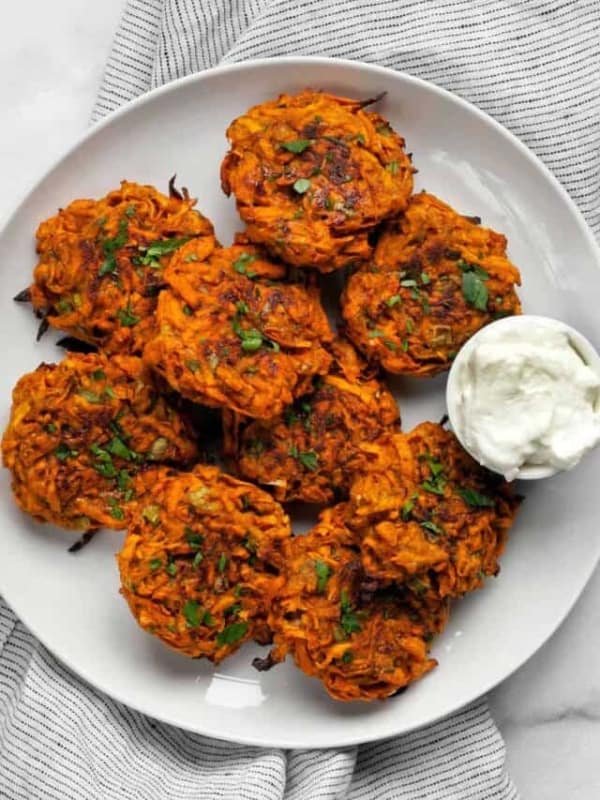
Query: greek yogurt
[[524, 397]]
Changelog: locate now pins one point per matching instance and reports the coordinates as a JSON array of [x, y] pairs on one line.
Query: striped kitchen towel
[[532, 64]]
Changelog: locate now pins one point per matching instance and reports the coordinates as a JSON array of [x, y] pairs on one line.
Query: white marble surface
[[51, 63]]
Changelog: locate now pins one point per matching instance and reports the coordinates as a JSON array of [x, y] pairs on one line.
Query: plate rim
[[325, 62]]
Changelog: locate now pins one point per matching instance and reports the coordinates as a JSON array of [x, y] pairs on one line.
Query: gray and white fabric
[[532, 64]]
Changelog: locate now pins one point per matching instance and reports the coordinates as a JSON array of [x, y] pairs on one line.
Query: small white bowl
[[522, 322]]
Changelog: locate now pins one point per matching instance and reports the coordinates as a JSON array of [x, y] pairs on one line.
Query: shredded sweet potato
[[363, 639], [311, 452], [233, 334], [80, 431], [428, 515], [202, 560], [436, 278], [312, 174], [101, 263]]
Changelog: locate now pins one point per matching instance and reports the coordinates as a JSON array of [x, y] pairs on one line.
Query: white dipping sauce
[[524, 395]]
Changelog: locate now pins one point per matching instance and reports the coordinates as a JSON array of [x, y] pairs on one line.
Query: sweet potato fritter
[[429, 515], [309, 453], [101, 262], [201, 562], [362, 640], [313, 174], [232, 334], [79, 432], [437, 277]]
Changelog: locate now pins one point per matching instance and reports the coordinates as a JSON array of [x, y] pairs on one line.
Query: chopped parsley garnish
[[91, 397], [475, 498], [251, 340], [407, 507], [191, 612], [392, 167], [152, 252], [51, 427], [172, 568], [435, 484], [348, 619], [405, 345], [408, 283], [409, 325], [63, 452], [432, 527], [155, 564], [375, 334], [232, 633], [187, 311], [474, 291], [296, 145], [104, 465], [393, 300], [123, 480], [390, 345], [198, 559], [126, 316], [323, 572], [242, 263], [474, 268], [194, 540], [117, 447], [348, 657], [307, 410], [191, 257], [425, 279], [110, 247], [115, 510], [222, 563], [308, 458], [302, 185]]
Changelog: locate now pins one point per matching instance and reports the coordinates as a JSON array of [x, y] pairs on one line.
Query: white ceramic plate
[[71, 602]]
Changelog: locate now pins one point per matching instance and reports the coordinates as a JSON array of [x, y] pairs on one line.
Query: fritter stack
[[168, 324]]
